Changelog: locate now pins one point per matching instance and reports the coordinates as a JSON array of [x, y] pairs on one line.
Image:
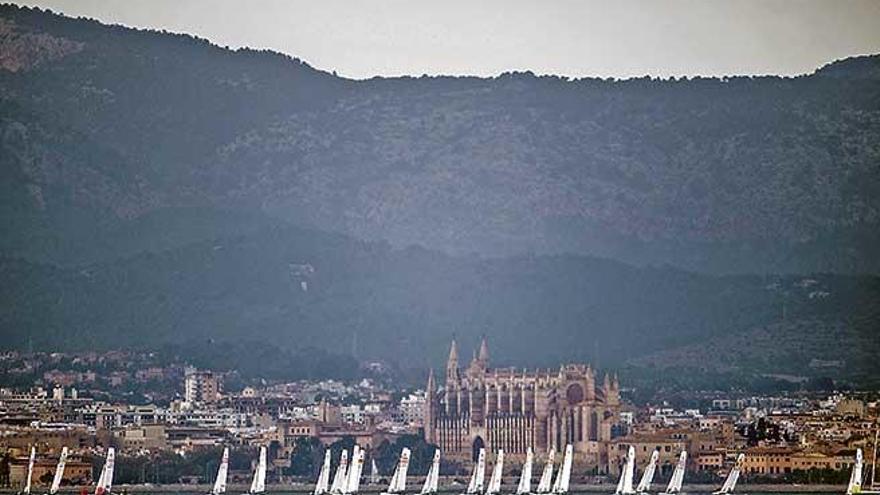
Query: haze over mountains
[[156, 188]]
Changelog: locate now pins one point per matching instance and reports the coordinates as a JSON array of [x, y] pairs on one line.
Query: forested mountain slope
[[100, 125]]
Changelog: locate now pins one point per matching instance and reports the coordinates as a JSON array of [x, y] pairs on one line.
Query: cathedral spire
[[452, 364], [432, 387], [484, 352], [430, 404]]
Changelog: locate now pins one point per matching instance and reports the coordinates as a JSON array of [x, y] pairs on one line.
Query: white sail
[[547, 474], [433, 477], [99, 485], [341, 473], [323, 483], [624, 484], [677, 475], [398, 480], [525, 478], [497, 470], [30, 471], [222, 472], [855, 478], [476, 483], [105, 481], [59, 472], [733, 476], [258, 484], [564, 475], [374, 473], [353, 482], [648, 475]]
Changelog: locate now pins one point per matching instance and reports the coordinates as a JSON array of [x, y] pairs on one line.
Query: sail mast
[[648, 475], [495, 480], [547, 474], [30, 471], [525, 479], [222, 471], [322, 485], [341, 473], [59, 472], [432, 478]]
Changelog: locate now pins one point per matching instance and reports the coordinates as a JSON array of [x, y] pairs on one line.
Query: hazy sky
[[576, 38]]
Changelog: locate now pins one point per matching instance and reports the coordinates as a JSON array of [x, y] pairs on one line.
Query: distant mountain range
[[156, 189], [295, 288], [101, 124]]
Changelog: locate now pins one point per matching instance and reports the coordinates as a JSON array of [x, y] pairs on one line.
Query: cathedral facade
[[514, 409]]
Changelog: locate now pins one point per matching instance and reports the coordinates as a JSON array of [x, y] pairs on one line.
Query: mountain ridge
[[723, 175]]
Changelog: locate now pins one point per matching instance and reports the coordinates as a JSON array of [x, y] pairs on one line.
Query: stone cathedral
[[514, 409]]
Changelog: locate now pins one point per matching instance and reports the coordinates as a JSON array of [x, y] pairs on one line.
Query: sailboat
[[59, 472], [30, 472], [374, 473], [476, 483], [353, 480], [258, 484], [648, 475], [855, 478], [341, 473], [495, 479], [547, 474], [433, 479], [105, 481], [625, 484], [733, 476], [678, 475], [525, 479], [322, 486], [564, 475], [398, 479], [222, 471]]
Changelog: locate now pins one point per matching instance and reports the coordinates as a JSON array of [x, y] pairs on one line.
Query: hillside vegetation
[[103, 124]]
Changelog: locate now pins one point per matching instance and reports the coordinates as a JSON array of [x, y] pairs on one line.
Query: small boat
[[648, 475], [105, 481], [855, 478], [222, 471], [432, 480], [544, 484], [341, 473], [398, 479], [353, 480], [495, 479], [524, 487], [479, 474], [322, 486], [625, 483], [258, 484], [564, 475], [733, 476], [678, 475], [59, 472]]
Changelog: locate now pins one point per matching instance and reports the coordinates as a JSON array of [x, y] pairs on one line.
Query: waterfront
[[743, 489]]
